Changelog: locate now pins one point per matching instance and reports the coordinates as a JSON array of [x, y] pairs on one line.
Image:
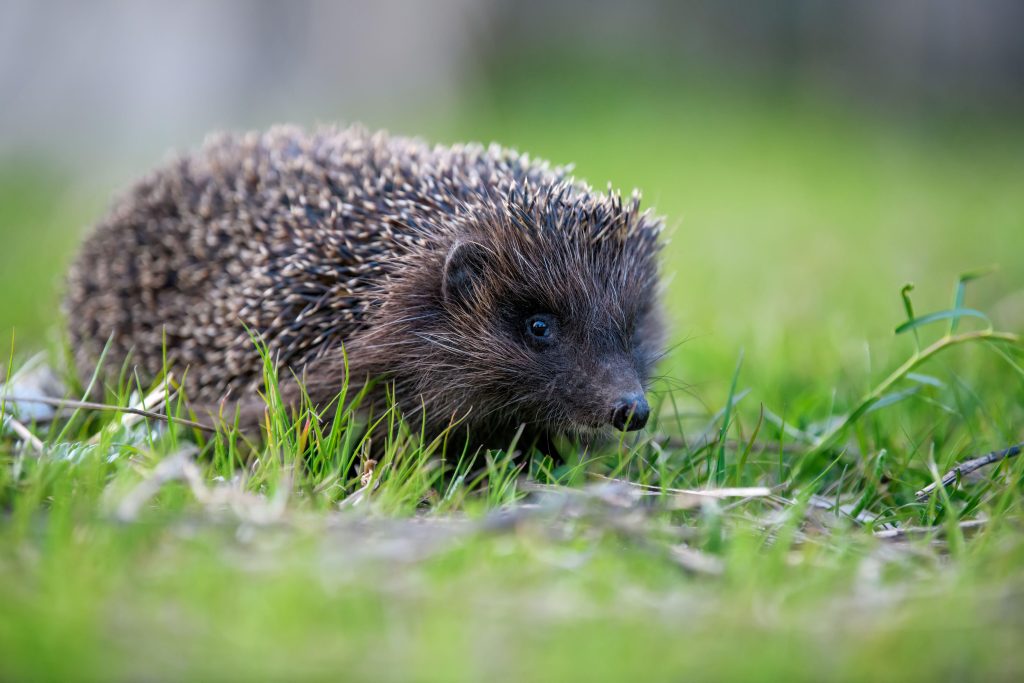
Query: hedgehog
[[473, 285]]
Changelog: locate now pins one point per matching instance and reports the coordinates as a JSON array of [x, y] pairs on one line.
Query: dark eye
[[540, 329]]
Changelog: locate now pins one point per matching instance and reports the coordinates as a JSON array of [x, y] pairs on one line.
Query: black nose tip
[[630, 413]]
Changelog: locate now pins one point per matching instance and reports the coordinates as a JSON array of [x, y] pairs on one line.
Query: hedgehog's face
[[592, 374], [561, 340]]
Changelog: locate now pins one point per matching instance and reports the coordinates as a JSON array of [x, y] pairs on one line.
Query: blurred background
[[811, 157]]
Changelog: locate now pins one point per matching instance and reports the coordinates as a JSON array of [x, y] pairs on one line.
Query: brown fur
[[422, 261]]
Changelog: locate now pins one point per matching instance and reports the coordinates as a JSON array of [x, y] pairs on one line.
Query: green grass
[[796, 225]]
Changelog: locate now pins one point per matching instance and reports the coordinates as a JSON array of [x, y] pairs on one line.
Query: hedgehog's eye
[[541, 329]]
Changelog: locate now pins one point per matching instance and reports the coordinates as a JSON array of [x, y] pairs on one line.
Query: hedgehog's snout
[[624, 399], [630, 412]]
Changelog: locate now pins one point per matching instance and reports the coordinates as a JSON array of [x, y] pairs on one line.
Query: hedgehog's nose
[[630, 413]]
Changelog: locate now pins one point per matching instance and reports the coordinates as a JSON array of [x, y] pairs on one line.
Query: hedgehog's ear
[[463, 269]]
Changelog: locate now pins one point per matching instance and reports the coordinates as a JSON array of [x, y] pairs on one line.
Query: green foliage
[[121, 536]]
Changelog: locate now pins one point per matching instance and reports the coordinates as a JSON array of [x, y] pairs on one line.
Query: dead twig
[[728, 492], [25, 434], [88, 405], [151, 403], [904, 532], [969, 466]]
